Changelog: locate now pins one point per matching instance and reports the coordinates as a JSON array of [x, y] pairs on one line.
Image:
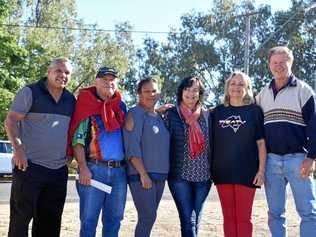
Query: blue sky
[[149, 15]]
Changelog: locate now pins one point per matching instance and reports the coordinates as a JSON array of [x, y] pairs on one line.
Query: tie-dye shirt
[[102, 145]]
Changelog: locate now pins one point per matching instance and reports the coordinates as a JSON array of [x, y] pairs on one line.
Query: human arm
[[11, 127], [261, 145], [78, 143], [20, 106], [262, 153], [138, 164], [162, 109], [309, 115], [132, 134], [84, 172]]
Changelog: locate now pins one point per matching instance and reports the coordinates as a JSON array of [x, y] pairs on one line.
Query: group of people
[[239, 145]]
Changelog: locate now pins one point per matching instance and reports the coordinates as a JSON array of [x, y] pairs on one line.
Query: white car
[[6, 152]]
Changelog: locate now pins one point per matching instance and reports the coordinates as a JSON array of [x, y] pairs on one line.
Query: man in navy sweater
[[290, 131]]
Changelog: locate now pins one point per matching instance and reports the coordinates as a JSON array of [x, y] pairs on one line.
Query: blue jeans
[[93, 200], [281, 170], [146, 202], [189, 198]]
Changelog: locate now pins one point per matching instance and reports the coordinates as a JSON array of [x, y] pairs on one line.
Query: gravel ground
[[167, 224]]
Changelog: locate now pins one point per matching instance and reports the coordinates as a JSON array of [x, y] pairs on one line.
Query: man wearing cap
[[96, 139], [37, 125]]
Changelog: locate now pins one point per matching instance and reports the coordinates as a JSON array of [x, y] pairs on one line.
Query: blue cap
[[103, 71]]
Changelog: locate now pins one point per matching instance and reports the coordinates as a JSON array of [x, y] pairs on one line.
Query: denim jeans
[[146, 202], [189, 198], [93, 200], [281, 170]]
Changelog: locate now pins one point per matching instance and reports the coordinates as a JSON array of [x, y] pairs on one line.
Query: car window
[[9, 148], [6, 147], [2, 148]]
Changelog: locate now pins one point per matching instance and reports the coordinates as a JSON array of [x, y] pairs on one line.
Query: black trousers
[[38, 193]]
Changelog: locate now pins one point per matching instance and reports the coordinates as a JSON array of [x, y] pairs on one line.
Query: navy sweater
[[289, 118]]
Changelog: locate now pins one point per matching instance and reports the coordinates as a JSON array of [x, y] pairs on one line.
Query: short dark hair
[[187, 82], [143, 82]]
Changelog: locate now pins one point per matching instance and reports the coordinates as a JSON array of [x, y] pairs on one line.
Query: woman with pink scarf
[[189, 177]]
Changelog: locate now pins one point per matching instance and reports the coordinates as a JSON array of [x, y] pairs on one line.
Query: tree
[[51, 29], [99, 49], [5, 100], [212, 45], [53, 35], [12, 66], [54, 30]]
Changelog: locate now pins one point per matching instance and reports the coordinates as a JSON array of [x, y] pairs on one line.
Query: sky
[[150, 15]]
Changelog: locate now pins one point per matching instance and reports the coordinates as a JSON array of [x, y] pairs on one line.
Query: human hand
[[259, 178], [162, 109], [307, 167], [146, 181], [84, 175], [19, 159]]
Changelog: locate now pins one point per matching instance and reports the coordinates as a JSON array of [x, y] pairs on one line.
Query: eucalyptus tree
[[212, 45]]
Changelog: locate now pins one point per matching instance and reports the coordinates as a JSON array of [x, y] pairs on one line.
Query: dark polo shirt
[[45, 126]]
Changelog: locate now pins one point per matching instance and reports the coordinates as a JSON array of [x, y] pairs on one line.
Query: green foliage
[[209, 45], [212, 46], [25, 52], [54, 36], [4, 10], [12, 56], [5, 100], [99, 50]]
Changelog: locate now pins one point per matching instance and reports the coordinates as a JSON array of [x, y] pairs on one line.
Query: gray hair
[[57, 61], [281, 50], [248, 98]]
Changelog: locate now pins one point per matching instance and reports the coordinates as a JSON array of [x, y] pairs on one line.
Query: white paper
[[101, 186]]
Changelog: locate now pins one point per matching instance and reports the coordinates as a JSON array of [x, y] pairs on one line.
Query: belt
[[109, 163]]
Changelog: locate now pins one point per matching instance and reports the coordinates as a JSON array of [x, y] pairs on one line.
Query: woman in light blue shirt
[[147, 150]]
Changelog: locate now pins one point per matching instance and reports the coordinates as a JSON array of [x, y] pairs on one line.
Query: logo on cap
[[103, 71]]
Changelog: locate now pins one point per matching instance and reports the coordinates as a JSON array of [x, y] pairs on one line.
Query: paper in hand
[[101, 186]]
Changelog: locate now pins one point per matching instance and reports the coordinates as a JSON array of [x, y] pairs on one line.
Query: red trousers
[[236, 201]]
